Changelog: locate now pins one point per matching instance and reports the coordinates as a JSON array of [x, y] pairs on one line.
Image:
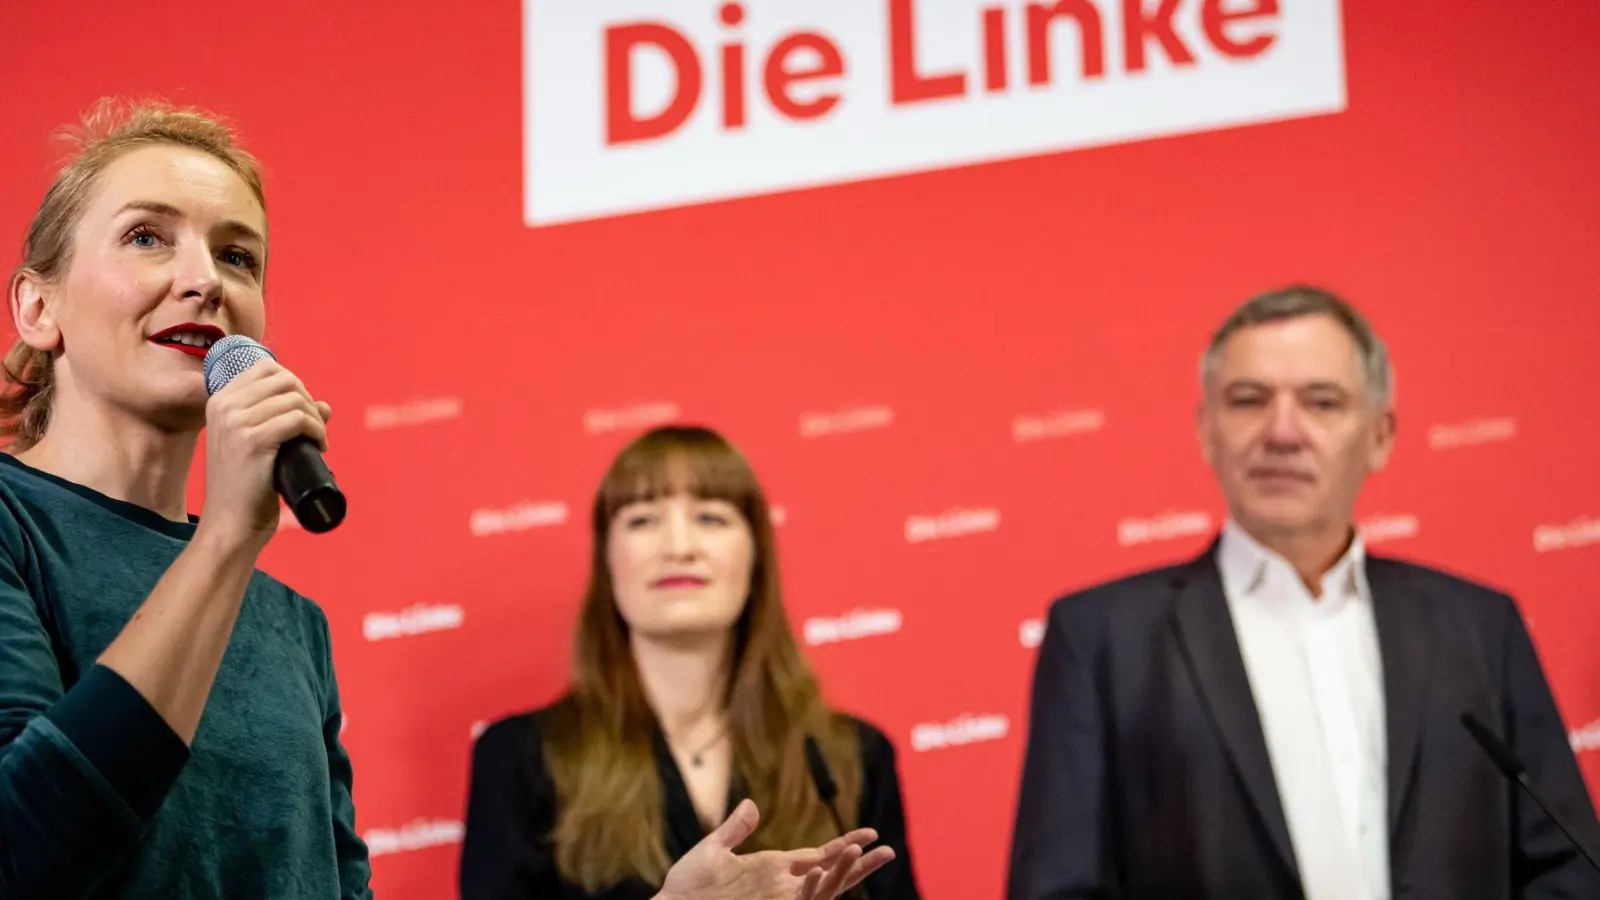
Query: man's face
[[1289, 427]]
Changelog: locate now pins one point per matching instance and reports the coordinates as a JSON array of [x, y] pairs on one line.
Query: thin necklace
[[695, 757]]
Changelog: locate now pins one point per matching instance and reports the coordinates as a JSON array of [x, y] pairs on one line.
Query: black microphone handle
[[860, 890], [1522, 779], [822, 778], [838, 821], [305, 483], [1512, 767]]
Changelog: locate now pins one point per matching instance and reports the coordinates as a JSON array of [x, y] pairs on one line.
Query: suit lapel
[[1205, 630], [1402, 615]]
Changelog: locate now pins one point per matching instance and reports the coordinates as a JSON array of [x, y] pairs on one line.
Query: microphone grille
[[230, 356]]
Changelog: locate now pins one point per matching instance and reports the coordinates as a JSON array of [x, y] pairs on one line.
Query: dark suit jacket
[[507, 855], [1147, 776]]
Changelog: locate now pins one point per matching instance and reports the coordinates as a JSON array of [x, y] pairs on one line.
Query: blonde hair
[[110, 129]]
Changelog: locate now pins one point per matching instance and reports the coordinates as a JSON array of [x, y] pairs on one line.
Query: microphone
[[1512, 767], [822, 777], [299, 473]]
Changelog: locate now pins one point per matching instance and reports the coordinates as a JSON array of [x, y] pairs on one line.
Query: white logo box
[[921, 85]]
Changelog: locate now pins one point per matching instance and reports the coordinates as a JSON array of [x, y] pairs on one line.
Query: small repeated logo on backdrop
[[1031, 633], [412, 621], [1380, 528], [854, 625], [951, 524], [479, 727], [742, 99], [415, 412], [1167, 526], [1579, 532], [642, 416], [779, 515], [966, 729], [1448, 436], [1059, 424], [418, 835], [521, 517], [845, 421], [1585, 737]]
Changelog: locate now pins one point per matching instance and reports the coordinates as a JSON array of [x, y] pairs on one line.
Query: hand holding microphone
[[264, 434]]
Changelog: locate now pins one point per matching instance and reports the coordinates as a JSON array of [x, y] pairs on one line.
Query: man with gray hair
[[1281, 717]]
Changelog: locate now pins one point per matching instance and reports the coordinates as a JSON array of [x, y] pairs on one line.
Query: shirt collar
[[1246, 565]]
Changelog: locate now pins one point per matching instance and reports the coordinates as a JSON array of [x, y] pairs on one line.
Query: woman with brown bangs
[[689, 699]]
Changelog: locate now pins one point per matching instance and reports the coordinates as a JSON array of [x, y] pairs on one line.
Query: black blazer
[[1146, 773], [511, 809]]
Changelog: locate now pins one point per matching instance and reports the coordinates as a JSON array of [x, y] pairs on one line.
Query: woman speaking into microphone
[[169, 715], [138, 759]]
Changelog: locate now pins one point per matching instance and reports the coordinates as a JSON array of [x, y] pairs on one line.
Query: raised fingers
[[808, 888], [833, 883], [866, 865], [739, 825], [861, 837], [801, 861]]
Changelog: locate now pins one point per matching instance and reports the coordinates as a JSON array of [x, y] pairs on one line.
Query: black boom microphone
[[1512, 768], [299, 474], [822, 777]]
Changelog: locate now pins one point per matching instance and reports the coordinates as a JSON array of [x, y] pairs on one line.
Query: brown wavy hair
[[110, 129], [599, 741]]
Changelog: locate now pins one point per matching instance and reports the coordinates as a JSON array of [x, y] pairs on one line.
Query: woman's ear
[[32, 312]]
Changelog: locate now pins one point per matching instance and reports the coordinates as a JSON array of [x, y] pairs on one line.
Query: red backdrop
[[964, 368]]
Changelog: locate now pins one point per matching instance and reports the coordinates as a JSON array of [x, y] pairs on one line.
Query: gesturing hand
[[712, 871]]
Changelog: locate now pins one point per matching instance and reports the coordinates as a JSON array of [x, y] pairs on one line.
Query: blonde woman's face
[[169, 257]]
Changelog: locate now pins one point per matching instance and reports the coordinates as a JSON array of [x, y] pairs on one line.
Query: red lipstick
[[191, 338]]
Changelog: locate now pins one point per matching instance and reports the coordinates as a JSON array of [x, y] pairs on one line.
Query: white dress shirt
[[1317, 678]]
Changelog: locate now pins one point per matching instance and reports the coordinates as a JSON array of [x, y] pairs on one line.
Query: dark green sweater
[[99, 798]]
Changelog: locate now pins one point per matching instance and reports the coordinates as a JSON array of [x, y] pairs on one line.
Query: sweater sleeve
[[355, 865], [83, 768]]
